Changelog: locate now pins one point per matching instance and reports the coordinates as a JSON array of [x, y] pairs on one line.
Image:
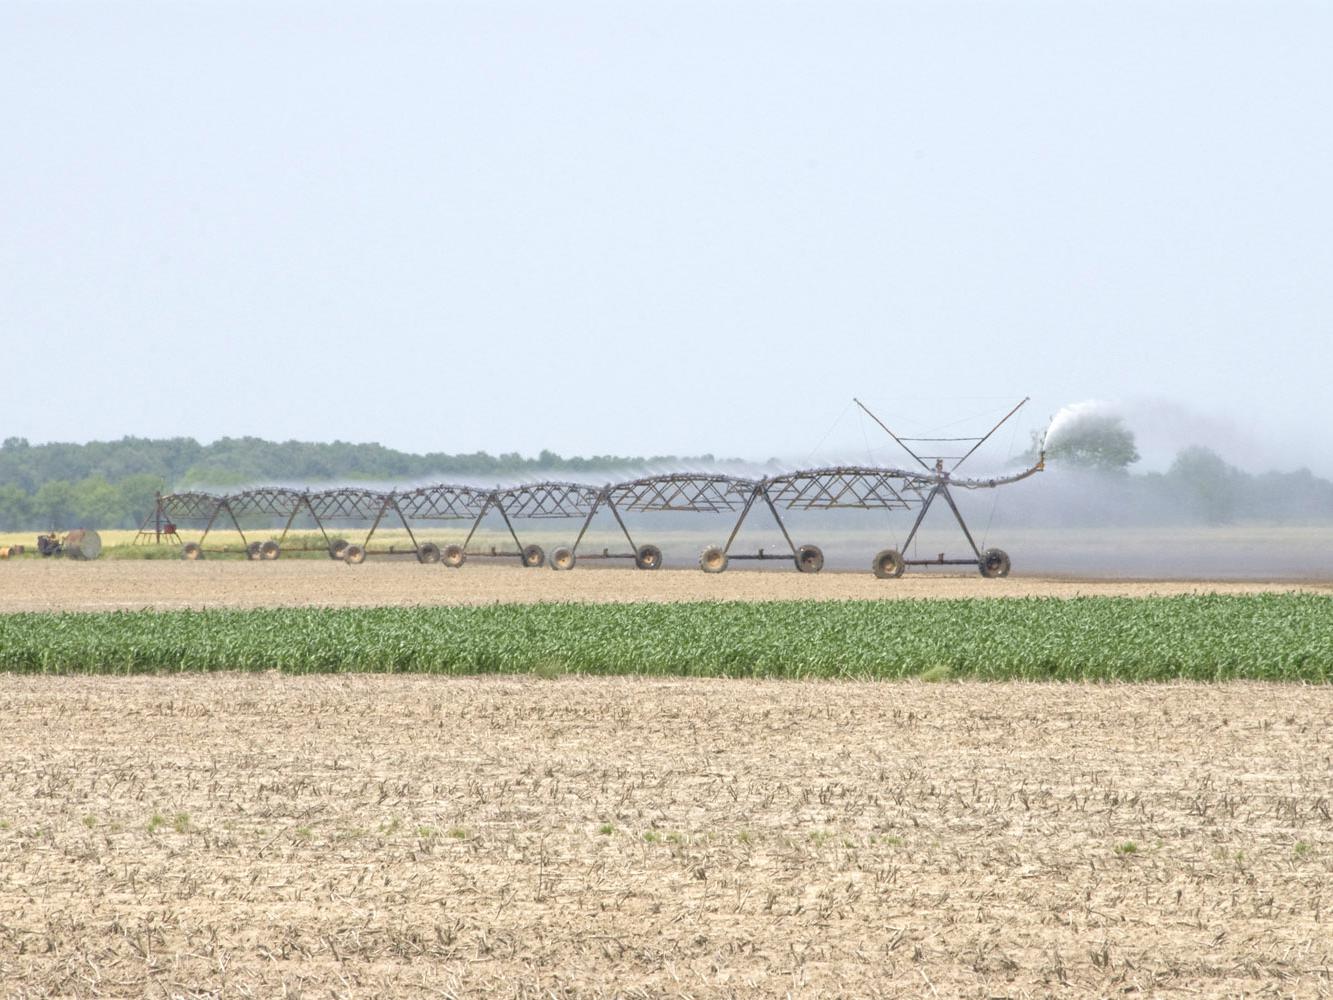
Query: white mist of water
[[1068, 418], [1162, 428]]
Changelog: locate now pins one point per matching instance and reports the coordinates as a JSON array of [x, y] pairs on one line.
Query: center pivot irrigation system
[[831, 488]]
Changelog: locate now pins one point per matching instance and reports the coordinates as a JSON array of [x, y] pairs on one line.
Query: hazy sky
[[665, 227]]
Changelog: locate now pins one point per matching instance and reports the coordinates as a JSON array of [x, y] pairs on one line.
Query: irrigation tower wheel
[[354, 555], [192, 551], [713, 559], [994, 563], [648, 557], [562, 558], [337, 548], [454, 556], [888, 564], [270, 550], [809, 559], [252, 551], [428, 553], [533, 556]]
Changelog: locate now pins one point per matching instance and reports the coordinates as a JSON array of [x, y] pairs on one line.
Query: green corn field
[[1287, 637]]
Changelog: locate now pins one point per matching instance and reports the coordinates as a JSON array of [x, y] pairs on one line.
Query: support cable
[[830, 430], [870, 460], [995, 500]]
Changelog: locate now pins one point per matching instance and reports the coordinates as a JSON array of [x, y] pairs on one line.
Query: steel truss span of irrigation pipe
[[341, 515]]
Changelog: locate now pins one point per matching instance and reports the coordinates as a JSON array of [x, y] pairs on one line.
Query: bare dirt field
[[33, 585], [354, 836]]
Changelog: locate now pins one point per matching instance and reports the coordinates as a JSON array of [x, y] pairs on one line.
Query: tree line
[[111, 484]]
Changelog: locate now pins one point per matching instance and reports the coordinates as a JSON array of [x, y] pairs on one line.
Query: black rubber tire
[[994, 563], [252, 551], [809, 559], [453, 556], [533, 556], [713, 559], [428, 553], [354, 555], [270, 550], [337, 548], [192, 551], [888, 564], [648, 557], [562, 558]]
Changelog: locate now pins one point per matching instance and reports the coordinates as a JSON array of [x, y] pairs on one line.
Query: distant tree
[[53, 505], [97, 504], [137, 496], [1206, 482], [1096, 442], [15, 509]]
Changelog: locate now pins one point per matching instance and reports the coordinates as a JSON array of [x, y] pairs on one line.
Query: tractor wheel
[[533, 556], [429, 553], [354, 555], [192, 551], [454, 556], [713, 559], [270, 550], [252, 551], [809, 559], [888, 564], [562, 558], [337, 548], [994, 562], [648, 557]]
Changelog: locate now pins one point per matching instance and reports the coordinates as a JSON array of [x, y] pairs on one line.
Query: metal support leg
[[586, 521], [632, 547], [288, 526], [379, 516], [512, 533], [318, 522], [477, 523], [745, 511], [236, 524], [778, 517], [209, 526], [948, 498], [407, 527], [925, 506]]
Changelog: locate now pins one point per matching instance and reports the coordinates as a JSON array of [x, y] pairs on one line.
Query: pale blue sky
[[664, 227]]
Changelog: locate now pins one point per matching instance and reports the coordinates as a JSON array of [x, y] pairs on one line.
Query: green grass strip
[[1286, 637]]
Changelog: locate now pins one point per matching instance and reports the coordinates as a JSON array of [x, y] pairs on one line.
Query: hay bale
[[83, 544]]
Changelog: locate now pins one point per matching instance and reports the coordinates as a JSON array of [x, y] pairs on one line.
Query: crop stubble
[[347, 835], [67, 586]]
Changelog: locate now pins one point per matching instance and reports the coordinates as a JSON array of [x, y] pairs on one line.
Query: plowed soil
[[32, 585], [386, 836]]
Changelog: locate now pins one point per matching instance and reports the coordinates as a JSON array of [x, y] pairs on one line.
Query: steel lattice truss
[[444, 503], [683, 491], [550, 499], [851, 487], [347, 503], [189, 506], [859, 487], [272, 501]]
